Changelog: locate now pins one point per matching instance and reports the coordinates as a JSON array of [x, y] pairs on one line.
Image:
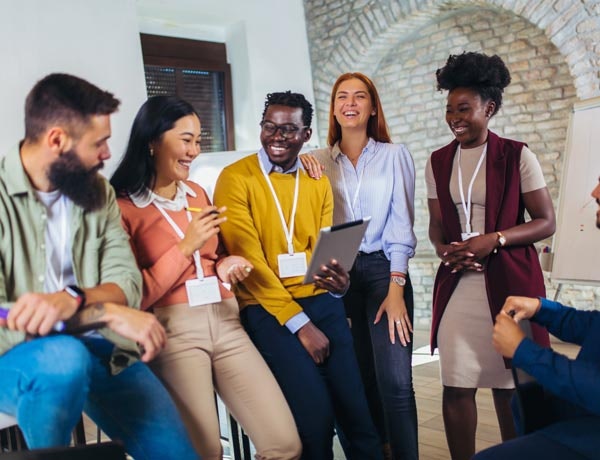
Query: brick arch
[[573, 27]]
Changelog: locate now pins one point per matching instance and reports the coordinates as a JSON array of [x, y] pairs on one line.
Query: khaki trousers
[[208, 350]]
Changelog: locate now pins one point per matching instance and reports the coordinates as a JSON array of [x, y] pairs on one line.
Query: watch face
[[399, 280]]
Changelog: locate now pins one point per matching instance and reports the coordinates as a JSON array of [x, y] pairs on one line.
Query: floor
[[428, 389]]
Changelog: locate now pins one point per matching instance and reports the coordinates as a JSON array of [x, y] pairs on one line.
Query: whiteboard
[[576, 245]]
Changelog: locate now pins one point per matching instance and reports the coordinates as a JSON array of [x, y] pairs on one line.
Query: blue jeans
[[385, 368], [317, 395], [47, 382]]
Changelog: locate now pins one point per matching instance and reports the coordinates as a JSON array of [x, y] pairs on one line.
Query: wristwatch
[[77, 293], [399, 280], [501, 239]]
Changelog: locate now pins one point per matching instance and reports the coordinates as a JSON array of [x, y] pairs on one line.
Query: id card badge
[[292, 264], [203, 291], [468, 235]]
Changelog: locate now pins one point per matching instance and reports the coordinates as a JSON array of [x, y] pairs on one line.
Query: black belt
[[362, 253]]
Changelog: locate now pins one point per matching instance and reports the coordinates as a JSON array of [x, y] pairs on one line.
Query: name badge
[[203, 291], [292, 264], [467, 235]]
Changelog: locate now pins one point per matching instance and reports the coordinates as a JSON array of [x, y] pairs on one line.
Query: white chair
[[6, 420], [11, 438]]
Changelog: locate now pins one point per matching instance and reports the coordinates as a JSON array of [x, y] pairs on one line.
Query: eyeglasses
[[288, 131]]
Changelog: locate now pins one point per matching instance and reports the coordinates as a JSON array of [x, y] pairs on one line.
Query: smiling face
[[284, 151], [352, 105], [176, 149], [468, 116]]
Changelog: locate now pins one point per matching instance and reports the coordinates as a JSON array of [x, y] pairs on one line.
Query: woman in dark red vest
[[478, 188]]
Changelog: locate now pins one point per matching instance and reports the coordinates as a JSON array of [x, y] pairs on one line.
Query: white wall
[[97, 40], [266, 47]]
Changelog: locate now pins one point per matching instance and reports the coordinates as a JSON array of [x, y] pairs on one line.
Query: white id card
[[467, 235], [292, 264], [203, 291]]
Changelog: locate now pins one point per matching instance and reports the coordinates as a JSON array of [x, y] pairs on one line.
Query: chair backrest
[[529, 405], [6, 420], [102, 451]]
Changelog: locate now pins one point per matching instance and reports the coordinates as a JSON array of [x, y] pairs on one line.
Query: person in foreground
[[65, 257], [571, 385], [174, 233], [370, 176], [478, 188], [275, 211]]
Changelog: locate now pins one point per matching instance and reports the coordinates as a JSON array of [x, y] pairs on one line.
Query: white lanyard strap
[[466, 205], [289, 232], [352, 203], [180, 234]]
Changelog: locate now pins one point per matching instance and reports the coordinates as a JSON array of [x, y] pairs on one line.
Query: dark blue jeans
[[47, 382], [385, 367], [317, 395]]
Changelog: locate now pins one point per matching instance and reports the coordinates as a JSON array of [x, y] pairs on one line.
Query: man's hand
[[136, 325], [37, 313], [507, 335], [314, 341], [333, 278], [521, 307]]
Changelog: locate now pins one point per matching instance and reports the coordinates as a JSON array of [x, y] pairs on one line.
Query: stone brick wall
[[552, 49]]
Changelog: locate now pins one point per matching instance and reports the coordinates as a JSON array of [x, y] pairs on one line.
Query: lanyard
[[289, 232], [352, 203], [468, 204], [180, 234]]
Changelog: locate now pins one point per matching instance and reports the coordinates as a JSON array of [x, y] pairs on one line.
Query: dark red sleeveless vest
[[514, 270]]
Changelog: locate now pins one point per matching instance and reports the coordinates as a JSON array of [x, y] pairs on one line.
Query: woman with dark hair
[[478, 188], [370, 176], [174, 235]]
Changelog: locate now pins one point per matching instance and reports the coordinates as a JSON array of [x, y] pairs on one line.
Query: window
[[198, 72]]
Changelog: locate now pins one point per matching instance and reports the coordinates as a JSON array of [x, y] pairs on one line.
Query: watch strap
[[77, 293]]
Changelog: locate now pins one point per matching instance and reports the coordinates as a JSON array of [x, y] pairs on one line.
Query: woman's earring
[[373, 113], [151, 152]]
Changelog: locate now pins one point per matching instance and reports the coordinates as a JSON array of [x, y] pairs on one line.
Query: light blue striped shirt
[[387, 194]]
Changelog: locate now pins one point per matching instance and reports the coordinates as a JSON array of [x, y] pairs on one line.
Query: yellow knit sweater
[[253, 230]]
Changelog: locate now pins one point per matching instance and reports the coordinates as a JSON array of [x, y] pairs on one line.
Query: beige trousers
[[208, 350]]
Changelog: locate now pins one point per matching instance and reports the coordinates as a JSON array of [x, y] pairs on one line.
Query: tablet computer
[[339, 242]]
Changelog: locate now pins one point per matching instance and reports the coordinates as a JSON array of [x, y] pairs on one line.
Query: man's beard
[[82, 186]]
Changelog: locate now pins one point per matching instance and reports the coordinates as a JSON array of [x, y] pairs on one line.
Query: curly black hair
[[290, 99], [486, 75]]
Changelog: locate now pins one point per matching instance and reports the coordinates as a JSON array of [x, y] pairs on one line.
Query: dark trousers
[[534, 446], [317, 395], [385, 367]]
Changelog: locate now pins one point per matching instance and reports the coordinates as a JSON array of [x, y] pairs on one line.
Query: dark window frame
[[193, 54]]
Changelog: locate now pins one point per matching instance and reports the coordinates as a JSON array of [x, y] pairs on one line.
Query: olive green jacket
[[100, 250]]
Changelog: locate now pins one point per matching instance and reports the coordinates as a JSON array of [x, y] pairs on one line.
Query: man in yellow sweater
[[274, 213]]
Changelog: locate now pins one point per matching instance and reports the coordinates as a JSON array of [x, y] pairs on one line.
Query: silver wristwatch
[[399, 280], [501, 239]]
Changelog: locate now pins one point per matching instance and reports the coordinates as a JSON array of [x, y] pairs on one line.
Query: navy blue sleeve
[[566, 323], [574, 380]]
